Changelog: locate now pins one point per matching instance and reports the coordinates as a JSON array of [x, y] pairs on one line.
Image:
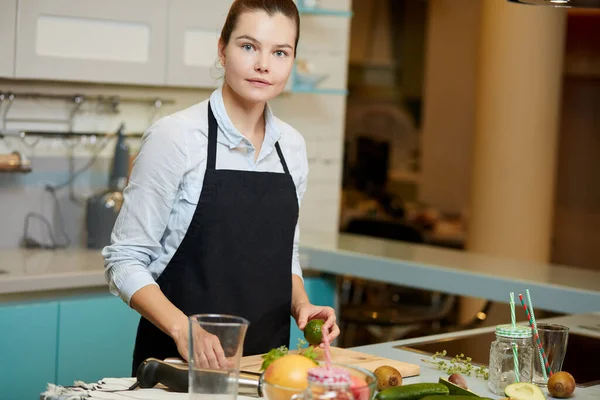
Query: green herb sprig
[[281, 351], [459, 364]]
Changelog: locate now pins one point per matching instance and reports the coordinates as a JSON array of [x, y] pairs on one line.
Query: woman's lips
[[259, 83]]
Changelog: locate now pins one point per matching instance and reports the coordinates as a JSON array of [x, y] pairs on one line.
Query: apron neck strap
[[212, 144], [281, 158], [212, 139]]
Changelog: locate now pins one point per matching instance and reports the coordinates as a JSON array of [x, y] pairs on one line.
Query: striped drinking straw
[[514, 346], [542, 354]]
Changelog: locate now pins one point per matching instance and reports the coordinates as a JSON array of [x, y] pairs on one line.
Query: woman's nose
[[262, 64]]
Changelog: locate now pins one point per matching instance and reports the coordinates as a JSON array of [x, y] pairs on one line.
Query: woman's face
[[260, 55]]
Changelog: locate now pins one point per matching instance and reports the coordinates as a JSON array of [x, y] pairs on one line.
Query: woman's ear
[[222, 46]]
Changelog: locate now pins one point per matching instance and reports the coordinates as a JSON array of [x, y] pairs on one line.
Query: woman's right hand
[[208, 352], [151, 303]]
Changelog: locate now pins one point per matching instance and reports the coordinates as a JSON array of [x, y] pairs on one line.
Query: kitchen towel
[[112, 389]]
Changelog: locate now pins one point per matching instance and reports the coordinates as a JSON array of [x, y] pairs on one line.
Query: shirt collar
[[231, 136]]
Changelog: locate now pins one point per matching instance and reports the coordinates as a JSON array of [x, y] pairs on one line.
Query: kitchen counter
[[454, 271], [30, 272], [478, 385], [451, 271], [68, 277]]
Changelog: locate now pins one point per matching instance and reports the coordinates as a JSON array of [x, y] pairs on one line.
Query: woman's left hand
[[305, 312]]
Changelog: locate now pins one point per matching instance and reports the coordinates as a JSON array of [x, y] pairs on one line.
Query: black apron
[[235, 258]]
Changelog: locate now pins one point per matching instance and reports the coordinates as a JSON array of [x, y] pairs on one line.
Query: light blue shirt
[[165, 184]]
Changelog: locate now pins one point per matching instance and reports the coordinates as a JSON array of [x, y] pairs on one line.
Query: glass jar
[[502, 367], [327, 384]]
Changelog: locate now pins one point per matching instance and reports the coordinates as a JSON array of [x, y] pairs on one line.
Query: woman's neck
[[248, 118]]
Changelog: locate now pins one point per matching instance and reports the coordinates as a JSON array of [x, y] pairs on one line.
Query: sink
[[581, 360]]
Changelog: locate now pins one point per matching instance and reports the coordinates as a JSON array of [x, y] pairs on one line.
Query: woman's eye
[[247, 47], [280, 53]]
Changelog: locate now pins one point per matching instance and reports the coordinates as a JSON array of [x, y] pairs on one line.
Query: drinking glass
[[554, 340], [215, 349]]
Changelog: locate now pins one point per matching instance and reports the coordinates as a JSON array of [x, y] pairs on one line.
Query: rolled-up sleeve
[[148, 201], [300, 190]]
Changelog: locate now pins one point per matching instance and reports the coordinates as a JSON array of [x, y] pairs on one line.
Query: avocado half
[[524, 391]]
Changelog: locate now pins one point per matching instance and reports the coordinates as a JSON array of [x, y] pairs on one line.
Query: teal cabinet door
[[28, 334], [96, 339], [321, 291]]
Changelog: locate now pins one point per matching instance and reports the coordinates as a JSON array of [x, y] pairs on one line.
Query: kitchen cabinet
[[152, 42], [8, 18], [194, 28], [63, 340], [96, 339], [116, 41], [28, 334]]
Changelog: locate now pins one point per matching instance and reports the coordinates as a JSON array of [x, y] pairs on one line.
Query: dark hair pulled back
[[286, 7]]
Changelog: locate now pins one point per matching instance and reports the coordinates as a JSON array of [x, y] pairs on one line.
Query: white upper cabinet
[[193, 35], [112, 41], [8, 18]]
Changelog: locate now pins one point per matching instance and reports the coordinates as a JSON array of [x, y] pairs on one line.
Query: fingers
[[331, 318], [223, 362], [211, 357], [198, 346], [302, 319], [203, 360], [330, 326], [210, 353], [334, 333], [207, 350]]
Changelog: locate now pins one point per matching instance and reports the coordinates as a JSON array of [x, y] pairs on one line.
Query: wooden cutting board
[[343, 356]]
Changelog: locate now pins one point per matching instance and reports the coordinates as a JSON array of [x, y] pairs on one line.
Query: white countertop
[[478, 385], [432, 256], [454, 271], [34, 270], [421, 266], [427, 374]]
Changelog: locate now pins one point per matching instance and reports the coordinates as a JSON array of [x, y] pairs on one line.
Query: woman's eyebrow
[[251, 39]]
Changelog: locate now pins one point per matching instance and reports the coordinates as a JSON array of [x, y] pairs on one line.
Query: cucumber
[[413, 391], [458, 397]]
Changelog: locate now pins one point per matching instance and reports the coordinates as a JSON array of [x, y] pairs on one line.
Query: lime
[[312, 332]]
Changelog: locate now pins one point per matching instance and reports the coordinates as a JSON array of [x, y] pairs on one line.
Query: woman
[[209, 222]]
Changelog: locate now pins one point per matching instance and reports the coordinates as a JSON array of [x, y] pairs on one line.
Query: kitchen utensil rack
[[109, 103]]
